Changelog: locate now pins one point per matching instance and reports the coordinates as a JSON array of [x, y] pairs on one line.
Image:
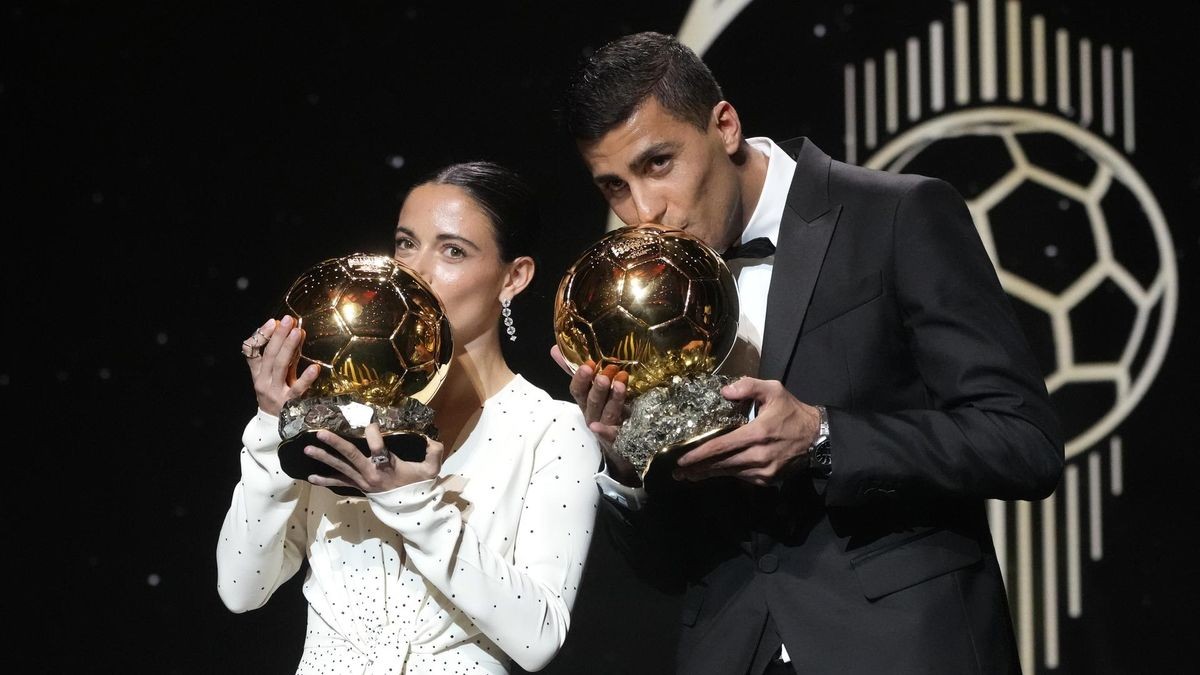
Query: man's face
[[657, 168]]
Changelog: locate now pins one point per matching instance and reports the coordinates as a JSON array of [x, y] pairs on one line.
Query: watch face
[[819, 454]]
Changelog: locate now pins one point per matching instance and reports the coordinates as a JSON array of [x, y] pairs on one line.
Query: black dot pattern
[[461, 574]]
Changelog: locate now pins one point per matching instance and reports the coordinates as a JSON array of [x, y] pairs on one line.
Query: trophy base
[[662, 462], [405, 429], [666, 421], [408, 446]]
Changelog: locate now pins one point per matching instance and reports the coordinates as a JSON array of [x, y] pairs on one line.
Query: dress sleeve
[[262, 540], [522, 605]]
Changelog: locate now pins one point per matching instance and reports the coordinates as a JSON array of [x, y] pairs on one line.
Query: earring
[[508, 321]]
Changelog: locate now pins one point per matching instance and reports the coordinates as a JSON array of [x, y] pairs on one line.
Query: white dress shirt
[[754, 276]]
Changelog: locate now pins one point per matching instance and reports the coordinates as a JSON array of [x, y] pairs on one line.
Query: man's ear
[[728, 126]]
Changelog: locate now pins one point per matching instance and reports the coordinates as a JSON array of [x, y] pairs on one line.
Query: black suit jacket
[[884, 307]]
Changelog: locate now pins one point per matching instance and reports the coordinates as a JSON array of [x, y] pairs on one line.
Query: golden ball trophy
[[382, 340], [662, 306]]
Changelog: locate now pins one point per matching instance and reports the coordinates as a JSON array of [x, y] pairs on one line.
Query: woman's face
[[444, 235]]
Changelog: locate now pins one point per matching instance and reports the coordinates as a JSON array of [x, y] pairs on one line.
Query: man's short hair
[[610, 85]]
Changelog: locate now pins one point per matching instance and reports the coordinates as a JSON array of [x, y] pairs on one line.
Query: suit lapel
[[804, 234]]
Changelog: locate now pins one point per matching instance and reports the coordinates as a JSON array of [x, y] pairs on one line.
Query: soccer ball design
[[1078, 241], [375, 328], [654, 301]]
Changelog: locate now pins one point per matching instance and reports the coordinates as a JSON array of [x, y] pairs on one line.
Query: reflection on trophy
[[383, 343], [663, 307]]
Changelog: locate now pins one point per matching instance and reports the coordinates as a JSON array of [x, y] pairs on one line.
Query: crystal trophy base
[[405, 429], [671, 419]]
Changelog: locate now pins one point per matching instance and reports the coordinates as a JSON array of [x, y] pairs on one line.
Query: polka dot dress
[[460, 574]]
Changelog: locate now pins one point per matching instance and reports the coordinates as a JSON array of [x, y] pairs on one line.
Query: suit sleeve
[[988, 430]]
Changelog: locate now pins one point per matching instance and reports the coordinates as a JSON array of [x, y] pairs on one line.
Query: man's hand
[[761, 451], [601, 397]]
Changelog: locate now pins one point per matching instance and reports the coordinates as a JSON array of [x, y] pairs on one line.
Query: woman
[[463, 561]]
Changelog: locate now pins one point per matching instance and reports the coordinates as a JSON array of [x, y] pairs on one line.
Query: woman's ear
[[520, 273]]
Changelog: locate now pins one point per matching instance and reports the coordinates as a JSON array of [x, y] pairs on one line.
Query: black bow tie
[[759, 247]]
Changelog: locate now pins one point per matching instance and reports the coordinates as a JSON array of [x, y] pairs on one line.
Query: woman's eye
[[404, 244], [455, 252]]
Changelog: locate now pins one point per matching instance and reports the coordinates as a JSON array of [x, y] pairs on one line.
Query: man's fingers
[[614, 409], [581, 384], [597, 398], [744, 388], [557, 355], [607, 433], [704, 452]]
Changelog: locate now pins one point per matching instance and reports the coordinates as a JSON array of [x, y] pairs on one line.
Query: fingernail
[[601, 381], [269, 324], [286, 321], [294, 332]]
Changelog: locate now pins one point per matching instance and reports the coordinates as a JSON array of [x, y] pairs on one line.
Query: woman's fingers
[[433, 456], [338, 464], [305, 381]]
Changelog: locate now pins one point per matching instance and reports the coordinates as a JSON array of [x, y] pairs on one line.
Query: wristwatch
[[820, 461]]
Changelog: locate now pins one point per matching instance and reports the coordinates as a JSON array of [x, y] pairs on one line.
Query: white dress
[[451, 575]]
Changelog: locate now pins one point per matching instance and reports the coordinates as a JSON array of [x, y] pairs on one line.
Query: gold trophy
[[663, 307], [382, 340]]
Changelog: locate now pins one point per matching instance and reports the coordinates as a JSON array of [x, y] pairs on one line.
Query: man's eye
[[660, 163], [614, 185]]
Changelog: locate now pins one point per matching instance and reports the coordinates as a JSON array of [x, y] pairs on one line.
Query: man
[[843, 529]]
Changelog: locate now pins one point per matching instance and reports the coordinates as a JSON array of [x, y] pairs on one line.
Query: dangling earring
[[508, 322]]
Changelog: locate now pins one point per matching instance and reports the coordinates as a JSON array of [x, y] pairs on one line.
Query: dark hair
[[505, 197], [610, 85]]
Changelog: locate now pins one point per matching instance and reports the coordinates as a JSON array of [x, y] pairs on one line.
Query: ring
[[380, 459], [250, 350]]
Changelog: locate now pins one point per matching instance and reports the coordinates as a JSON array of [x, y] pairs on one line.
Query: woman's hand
[[272, 353], [380, 472]]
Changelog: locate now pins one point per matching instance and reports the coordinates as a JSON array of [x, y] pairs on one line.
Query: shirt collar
[[768, 213]]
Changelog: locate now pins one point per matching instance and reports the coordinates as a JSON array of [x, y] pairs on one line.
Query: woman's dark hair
[[505, 197], [610, 85]]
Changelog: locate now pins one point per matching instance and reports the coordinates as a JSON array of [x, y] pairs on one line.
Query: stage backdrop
[[175, 165]]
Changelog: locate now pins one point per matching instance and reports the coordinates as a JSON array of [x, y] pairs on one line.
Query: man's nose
[[651, 207]]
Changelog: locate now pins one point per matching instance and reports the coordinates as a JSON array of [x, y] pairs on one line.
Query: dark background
[[171, 167]]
